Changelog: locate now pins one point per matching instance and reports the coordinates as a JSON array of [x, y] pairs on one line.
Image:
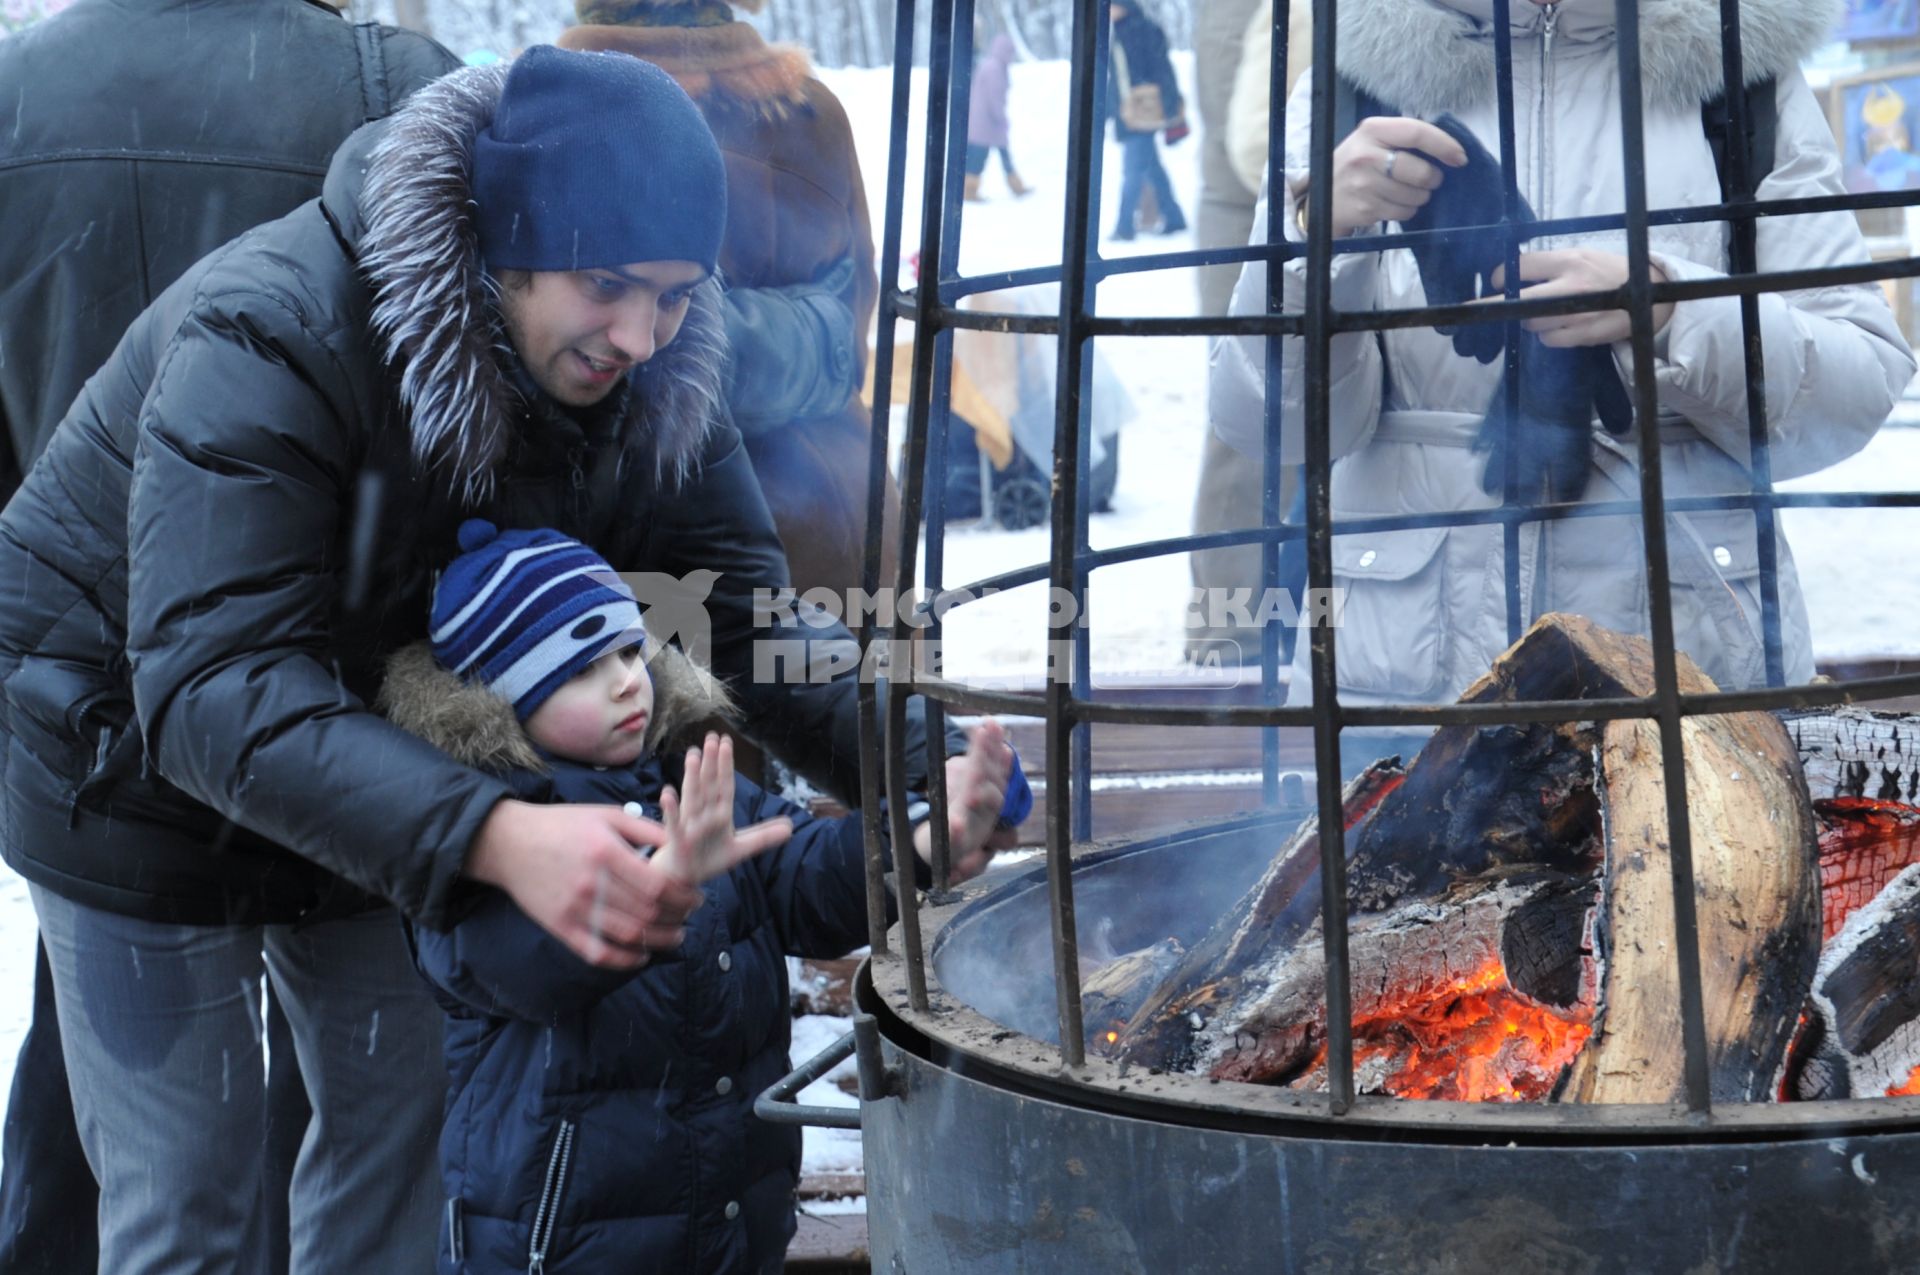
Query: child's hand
[[976, 787], [701, 840]]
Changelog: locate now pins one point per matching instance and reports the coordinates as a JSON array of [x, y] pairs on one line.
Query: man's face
[[599, 716], [579, 332]]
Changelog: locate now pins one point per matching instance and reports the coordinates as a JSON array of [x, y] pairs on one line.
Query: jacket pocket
[[1392, 606], [546, 1218], [1718, 617], [69, 714]]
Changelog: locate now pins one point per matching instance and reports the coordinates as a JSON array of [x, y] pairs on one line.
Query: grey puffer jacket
[[1425, 610]]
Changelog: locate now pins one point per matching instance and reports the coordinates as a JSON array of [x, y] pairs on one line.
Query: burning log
[[1112, 994], [1510, 908], [1862, 1036], [1864, 845]]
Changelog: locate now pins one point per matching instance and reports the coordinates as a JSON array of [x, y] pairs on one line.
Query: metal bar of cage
[[1085, 122], [1744, 259], [1321, 650], [887, 319], [1070, 711], [1510, 381], [1270, 471], [1666, 675], [959, 85], [912, 486]]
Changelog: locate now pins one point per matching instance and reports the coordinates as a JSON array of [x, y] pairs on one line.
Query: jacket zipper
[[1541, 143], [547, 1218]]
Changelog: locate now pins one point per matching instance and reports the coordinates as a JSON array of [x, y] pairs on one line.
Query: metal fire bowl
[[984, 1153]]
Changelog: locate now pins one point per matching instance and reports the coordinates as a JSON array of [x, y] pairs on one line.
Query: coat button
[[724, 1086], [733, 1209], [1723, 555], [1366, 559], [726, 962]]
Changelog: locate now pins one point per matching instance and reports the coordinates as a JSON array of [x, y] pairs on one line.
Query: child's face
[[600, 715]]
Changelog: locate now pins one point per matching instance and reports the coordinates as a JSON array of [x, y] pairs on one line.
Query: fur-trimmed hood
[[478, 728], [436, 311], [1430, 56]]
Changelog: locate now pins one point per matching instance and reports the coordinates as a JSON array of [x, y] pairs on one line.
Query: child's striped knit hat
[[523, 611]]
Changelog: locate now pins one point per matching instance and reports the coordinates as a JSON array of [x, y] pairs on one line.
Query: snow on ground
[[1857, 566]]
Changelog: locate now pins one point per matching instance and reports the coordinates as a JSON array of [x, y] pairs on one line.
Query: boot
[[972, 193], [1017, 186]]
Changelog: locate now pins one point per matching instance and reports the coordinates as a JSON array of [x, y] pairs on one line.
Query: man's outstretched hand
[[574, 870], [976, 789]]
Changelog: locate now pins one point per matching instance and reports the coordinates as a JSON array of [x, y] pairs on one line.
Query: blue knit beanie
[[522, 611], [595, 160]]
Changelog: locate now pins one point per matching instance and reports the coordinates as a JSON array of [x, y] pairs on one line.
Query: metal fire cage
[[1069, 706]]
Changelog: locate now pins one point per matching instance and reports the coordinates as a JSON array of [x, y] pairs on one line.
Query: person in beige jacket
[[1425, 610]]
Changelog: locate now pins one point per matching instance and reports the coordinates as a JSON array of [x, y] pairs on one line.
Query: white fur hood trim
[[1429, 56]]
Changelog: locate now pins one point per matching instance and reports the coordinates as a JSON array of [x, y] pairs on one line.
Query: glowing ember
[[1911, 1087], [1864, 844], [1479, 1040]]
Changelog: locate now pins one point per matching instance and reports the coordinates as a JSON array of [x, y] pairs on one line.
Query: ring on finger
[[1387, 171]]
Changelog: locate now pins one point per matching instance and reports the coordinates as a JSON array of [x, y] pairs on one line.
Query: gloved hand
[[1561, 390], [1458, 267]]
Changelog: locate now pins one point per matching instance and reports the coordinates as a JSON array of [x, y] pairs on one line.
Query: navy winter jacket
[[602, 1121]]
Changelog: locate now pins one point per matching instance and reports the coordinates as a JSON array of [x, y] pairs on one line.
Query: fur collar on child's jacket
[[478, 728]]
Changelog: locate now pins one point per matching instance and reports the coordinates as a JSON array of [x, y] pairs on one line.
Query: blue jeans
[[162, 1030], [1140, 163]]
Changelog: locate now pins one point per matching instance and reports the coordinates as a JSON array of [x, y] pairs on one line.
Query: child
[[601, 1120]]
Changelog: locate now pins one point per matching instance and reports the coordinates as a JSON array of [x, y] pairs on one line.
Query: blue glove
[[1019, 800]]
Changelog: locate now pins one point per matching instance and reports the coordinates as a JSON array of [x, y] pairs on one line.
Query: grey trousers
[[162, 1028]]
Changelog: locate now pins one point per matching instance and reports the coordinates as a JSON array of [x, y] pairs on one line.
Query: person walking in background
[[797, 215], [1143, 98], [988, 128], [539, 670], [158, 132]]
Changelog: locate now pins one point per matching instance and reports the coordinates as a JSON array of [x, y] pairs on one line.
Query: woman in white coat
[[1425, 610]]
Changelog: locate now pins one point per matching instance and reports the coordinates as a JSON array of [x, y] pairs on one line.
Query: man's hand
[[572, 868], [1384, 170], [701, 839], [976, 787], [1572, 271]]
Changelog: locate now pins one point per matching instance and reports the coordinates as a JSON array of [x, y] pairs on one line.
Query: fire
[[1476, 1040], [1112, 1036], [1864, 844], [1911, 1087]]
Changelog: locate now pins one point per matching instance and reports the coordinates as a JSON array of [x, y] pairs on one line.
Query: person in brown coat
[[797, 213]]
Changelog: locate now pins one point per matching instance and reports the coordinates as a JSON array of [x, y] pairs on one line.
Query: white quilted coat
[[1425, 611]]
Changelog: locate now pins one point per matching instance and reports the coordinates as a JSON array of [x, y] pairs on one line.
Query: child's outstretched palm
[[702, 842]]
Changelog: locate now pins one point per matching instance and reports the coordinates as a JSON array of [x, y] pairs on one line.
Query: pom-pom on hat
[[523, 611], [595, 160]]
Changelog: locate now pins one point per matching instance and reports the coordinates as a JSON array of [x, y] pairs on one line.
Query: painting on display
[[1874, 121], [1879, 20]]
